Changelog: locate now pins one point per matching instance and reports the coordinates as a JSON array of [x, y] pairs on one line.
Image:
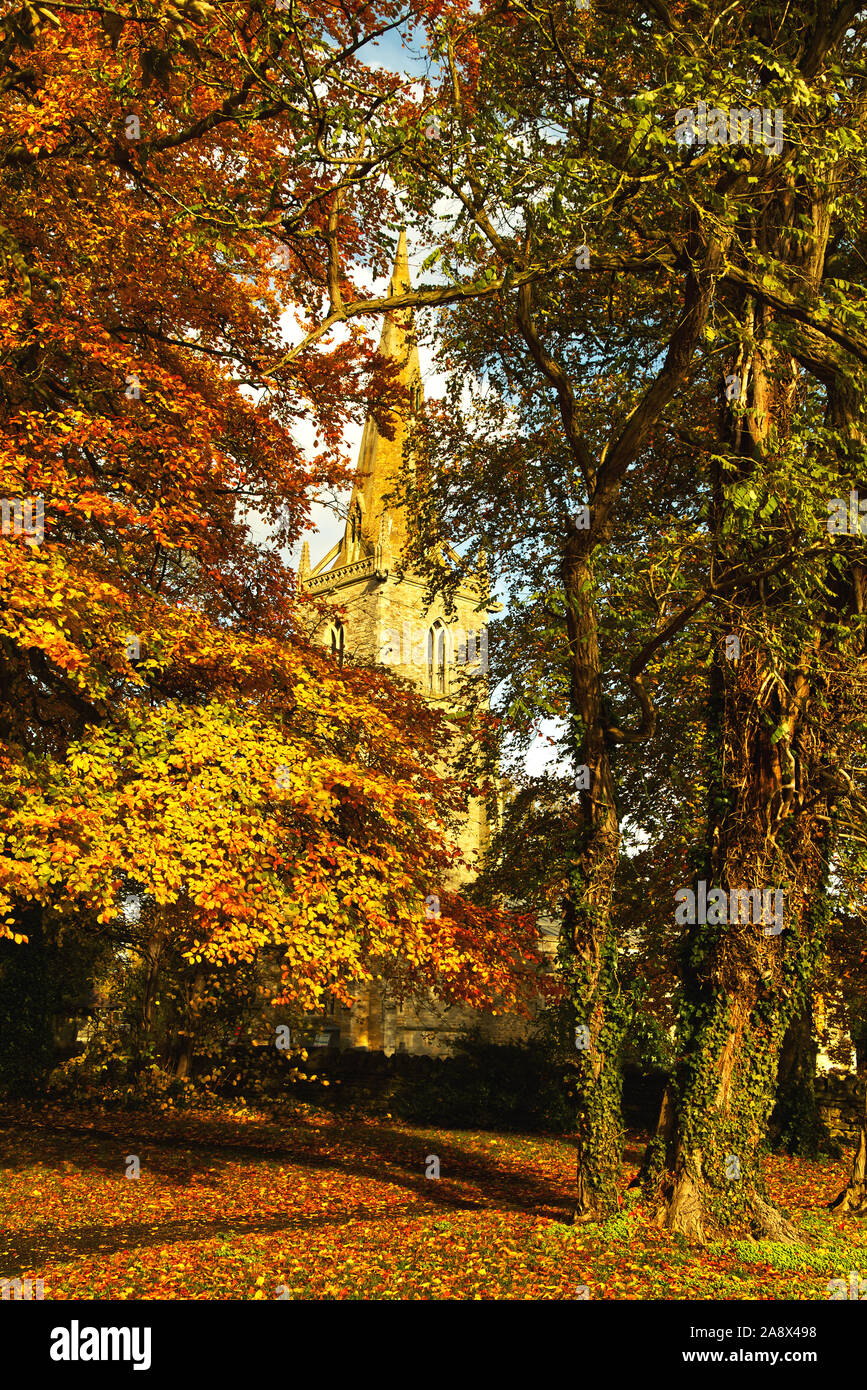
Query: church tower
[[386, 621]]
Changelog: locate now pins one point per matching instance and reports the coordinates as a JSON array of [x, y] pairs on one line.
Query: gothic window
[[416, 397], [336, 640], [436, 659]]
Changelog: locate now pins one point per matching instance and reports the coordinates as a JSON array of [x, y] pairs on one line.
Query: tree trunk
[[853, 1199], [186, 1045], [26, 1054], [152, 958], [845, 413], [726, 1097], [743, 982], [588, 948]]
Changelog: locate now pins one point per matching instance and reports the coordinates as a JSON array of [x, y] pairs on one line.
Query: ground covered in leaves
[[243, 1206]]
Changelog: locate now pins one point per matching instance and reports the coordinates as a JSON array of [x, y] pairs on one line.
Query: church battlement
[[326, 582]]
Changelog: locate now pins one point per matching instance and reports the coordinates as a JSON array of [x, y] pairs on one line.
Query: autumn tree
[[655, 249], [531, 166], [174, 183]]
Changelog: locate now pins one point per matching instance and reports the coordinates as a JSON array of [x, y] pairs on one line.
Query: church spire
[[304, 563], [380, 458]]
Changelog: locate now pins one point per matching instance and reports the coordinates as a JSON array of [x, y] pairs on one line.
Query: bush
[[482, 1086]]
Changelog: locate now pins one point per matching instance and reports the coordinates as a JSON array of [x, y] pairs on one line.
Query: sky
[[400, 53]]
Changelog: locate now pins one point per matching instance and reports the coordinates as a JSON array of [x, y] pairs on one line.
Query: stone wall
[[840, 1100], [841, 1105]]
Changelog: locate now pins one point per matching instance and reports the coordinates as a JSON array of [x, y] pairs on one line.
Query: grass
[[313, 1207]]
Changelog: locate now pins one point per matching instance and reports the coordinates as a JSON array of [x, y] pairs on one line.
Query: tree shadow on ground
[[468, 1182], [31, 1249]]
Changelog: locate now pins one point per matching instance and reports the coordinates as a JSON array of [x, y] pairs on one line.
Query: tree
[[154, 164], [732, 248]]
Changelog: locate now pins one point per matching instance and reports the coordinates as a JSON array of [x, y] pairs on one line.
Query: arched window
[[436, 659], [336, 640]]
